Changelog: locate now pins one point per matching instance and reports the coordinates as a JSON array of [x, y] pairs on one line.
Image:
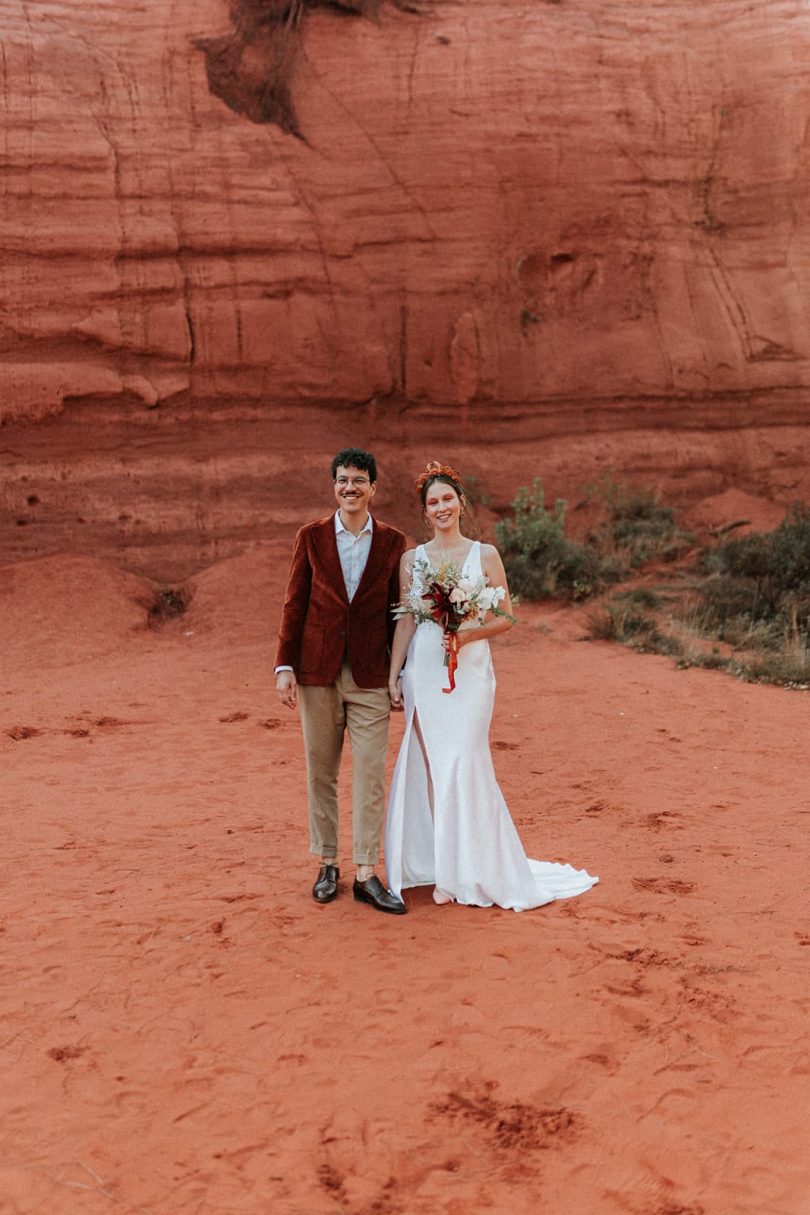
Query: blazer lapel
[[379, 547], [326, 545]]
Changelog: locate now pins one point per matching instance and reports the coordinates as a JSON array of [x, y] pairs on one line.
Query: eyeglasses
[[357, 482]]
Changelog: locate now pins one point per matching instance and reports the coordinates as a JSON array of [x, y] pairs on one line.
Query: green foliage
[[753, 599], [761, 583], [709, 660], [638, 527], [642, 596], [167, 605], [617, 620], [773, 567], [725, 598], [538, 558]]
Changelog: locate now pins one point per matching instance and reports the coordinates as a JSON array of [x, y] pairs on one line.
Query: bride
[[448, 824]]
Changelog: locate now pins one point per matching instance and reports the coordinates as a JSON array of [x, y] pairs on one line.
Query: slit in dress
[[420, 740]]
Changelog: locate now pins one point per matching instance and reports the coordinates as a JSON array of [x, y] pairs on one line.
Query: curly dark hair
[[355, 457]]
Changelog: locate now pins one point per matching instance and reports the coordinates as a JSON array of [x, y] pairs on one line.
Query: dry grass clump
[[633, 625], [746, 609], [638, 527]]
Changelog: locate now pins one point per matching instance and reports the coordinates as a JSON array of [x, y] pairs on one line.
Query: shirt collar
[[369, 527]]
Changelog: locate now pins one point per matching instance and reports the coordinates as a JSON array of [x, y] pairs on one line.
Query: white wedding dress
[[448, 823]]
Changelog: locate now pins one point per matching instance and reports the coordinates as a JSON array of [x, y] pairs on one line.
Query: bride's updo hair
[[438, 472], [444, 473]]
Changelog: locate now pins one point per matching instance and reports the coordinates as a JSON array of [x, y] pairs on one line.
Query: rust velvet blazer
[[319, 625]]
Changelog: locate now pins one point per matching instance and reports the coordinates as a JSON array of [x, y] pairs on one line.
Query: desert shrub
[[167, 605], [638, 526], [709, 660], [781, 557], [617, 620], [642, 596], [751, 594], [763, 579], [790, 668], [538, 557], [724, 598]]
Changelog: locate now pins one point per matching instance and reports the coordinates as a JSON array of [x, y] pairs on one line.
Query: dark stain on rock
[[252, 69]]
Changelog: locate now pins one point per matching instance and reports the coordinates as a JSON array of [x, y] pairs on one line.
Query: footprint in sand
[[634, 987], [645, 957], [64, 1054], [664, 885], [18, 733], [663, 819], [515, 1126], [604, 1059], [715, 1004]]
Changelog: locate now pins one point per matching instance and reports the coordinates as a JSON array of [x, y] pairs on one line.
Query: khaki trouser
[[326, 714]]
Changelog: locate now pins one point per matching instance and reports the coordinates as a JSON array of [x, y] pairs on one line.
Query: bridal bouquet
[[449, 599]]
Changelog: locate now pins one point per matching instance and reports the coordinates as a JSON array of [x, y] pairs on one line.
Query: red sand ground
[[186, 1033]]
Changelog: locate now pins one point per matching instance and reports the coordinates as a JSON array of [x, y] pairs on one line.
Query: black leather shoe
[[326, 885], [372, 891]]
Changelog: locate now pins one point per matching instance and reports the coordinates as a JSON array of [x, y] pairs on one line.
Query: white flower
[[489, 596]]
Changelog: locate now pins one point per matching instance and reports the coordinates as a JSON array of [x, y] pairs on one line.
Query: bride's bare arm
[[403, 632], [495, 574]]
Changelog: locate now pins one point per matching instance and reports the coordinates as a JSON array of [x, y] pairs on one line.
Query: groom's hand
[[287, 688]]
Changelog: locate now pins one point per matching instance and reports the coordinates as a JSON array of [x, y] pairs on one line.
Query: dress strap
[[472, 562], [419, 554]]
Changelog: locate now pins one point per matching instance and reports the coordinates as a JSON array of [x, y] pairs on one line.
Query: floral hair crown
[[435, 469]]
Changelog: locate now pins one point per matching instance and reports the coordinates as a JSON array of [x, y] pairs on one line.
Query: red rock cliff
[[452, 203]]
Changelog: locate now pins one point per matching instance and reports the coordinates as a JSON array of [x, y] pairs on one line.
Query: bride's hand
[[455, 640], [395, 692]]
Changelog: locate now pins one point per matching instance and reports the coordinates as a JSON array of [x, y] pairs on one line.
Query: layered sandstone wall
[[439, 203]]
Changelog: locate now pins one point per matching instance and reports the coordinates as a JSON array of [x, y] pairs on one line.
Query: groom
[[333, 659]]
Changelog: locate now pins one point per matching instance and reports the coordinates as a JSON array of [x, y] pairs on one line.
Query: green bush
[[638, 528], [753, 595], [642, 596], [538, 557], [763, 578], [780, 559], [619, 621]]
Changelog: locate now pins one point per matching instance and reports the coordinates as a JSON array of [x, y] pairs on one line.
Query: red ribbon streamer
[[451, 660]]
